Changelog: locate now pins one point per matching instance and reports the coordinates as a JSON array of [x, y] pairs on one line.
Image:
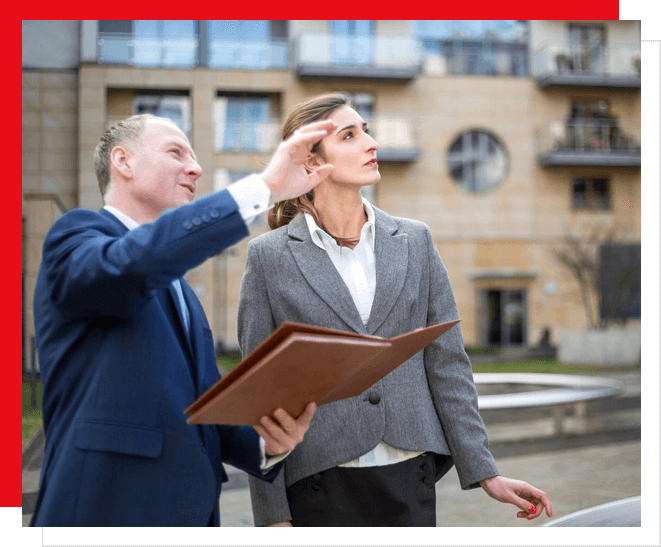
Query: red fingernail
[[531, 510]]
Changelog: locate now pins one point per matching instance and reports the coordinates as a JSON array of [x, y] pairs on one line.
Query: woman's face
[[350, 149]]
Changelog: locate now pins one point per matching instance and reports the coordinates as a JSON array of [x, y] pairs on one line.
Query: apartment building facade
[[504, 137]]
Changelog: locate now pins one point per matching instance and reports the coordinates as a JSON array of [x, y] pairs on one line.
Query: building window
[[174, 107], [248, 44], [245, 123], [587, 48], [477, 161], [619, 280], [495, 48], [590, 194], [363, 103]]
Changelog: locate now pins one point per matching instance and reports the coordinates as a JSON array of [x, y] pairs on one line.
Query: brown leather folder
[[298, 364]]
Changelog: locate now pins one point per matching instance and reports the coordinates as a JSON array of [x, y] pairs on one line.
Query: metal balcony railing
[[479, 57], [612, 65], [592, 141]]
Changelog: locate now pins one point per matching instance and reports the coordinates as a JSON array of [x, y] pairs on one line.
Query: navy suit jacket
[[118, 371]]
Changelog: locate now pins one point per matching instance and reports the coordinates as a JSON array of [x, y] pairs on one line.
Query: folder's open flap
[[403, 347], [298, 371]]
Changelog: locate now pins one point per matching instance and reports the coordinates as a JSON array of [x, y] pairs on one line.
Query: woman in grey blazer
[[336, 261]]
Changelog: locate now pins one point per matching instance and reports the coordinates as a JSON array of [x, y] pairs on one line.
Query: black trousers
[[401, 494]]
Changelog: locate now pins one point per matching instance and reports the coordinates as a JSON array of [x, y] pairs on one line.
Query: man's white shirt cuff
[[251, 195], [266, 462]]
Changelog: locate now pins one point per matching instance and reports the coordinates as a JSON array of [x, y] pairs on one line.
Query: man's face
[[165, 170]]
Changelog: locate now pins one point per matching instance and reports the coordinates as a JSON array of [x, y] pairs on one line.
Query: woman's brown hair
[[319, 108]]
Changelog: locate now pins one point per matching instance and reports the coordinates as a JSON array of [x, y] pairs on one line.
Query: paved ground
[[595, 461], [574, 479]]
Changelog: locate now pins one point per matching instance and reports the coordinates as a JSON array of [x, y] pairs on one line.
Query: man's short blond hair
[[127, 133]]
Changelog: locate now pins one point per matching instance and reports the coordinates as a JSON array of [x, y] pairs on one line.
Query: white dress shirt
[[357, 268], [252, 196]]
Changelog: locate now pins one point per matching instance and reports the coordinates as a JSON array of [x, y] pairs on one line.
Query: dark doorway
[[506, 313]]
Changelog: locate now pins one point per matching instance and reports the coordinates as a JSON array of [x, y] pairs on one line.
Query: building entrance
[[505, 311]]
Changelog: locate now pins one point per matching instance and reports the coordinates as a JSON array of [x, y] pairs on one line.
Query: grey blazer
[[429, 403]]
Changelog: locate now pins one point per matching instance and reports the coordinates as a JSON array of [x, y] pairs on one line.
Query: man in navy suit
[[124, 344]]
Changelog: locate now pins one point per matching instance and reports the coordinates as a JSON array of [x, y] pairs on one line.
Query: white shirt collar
[[124, 219], [317, 233]]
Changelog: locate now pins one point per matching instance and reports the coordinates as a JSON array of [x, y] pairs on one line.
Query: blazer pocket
[[124, 439]]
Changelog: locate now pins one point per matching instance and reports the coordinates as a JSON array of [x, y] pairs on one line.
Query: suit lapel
[[320, 272], [172, 307], [172, 293], [391, 261]]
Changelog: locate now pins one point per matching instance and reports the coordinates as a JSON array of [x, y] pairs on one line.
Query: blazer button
[[206, 217], [214, 214], [197, 221], [374, 398], [188, 225]]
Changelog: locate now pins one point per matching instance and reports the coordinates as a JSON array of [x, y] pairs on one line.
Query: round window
[[477, 161]]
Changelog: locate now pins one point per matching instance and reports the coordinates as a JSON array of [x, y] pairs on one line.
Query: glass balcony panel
[[115, 49], [248, 55], [147, 52], [179, 52], [352, 50]]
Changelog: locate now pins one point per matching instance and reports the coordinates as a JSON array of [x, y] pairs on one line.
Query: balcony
[[187, 51], [606, 66], [476, 57], [367, 57], [148, 51], [589, 142]]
